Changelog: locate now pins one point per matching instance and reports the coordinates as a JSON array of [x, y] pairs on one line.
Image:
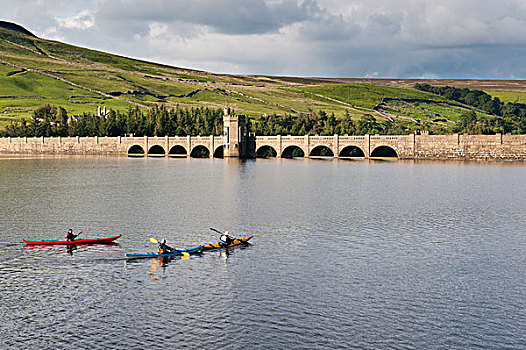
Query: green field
[[365, 95], [427, 111], [27, 86], [508, 96]]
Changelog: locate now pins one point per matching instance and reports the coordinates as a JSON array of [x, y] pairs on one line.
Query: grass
[[21, 93], [365, 95], [218, 99], [426, 110], [194, 77], [508, 96]]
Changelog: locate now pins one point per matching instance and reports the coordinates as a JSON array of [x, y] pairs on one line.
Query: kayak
[[193, 250], [77, 241], [218, 245]]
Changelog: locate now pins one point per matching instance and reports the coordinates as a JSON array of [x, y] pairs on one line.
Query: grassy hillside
[[366, 96], [35, 71]]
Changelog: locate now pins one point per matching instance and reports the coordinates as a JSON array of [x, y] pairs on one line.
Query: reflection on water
[[346, 254], [68, 248], [224, 254]]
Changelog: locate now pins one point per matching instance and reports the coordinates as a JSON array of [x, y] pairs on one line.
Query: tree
[[468, 119]]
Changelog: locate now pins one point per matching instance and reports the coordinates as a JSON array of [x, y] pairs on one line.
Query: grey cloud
[[333, 28], [487, 61], [32, 14], [288, 12], [406, 38], [385, 24], [40, 16], [227, 17]]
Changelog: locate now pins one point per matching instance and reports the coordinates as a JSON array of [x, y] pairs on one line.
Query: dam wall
[[433, 147]]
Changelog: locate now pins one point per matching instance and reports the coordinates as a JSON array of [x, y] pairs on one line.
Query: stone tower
[[234, 132]]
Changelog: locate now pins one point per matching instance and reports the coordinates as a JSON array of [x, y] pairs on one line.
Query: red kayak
[[77, 241]]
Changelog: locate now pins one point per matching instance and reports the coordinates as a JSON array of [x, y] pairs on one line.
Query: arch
[[200, 151], [219, 152], [136, 151], [266, 152], [321, 152], [156, 151], [293, 152], [384, 152], [177, 151], [352, 152]]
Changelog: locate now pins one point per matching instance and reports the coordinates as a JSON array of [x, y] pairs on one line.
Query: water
[[358, 255]]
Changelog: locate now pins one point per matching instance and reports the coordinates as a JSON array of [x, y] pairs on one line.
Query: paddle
[[82, 231], [185, 254], [232, 238], [75, 236], [213, 229]]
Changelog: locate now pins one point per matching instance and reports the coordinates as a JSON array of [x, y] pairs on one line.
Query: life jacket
[[70, 237], [164, 249], [226, 239]]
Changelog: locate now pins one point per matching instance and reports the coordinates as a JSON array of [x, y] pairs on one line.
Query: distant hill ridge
[[15, 27]]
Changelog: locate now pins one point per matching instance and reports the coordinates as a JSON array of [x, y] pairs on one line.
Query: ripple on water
[[346, 255]]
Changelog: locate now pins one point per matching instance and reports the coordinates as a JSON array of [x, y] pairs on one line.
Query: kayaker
[[70, 235], [226, 239], [163, 248]]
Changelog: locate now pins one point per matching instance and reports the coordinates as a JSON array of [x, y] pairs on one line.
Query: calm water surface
[[359, 255]]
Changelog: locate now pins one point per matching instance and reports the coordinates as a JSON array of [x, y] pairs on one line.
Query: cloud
[[83, 20], [237, 17], [385, 23], [329, 28], [406, 38], [32, 14]]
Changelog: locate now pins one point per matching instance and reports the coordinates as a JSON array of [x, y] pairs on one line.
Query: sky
[[323, 38]]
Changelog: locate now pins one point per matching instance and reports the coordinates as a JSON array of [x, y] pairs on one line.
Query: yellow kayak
[[237, 241]]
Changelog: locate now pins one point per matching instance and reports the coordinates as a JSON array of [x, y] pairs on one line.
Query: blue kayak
[[193, 250]]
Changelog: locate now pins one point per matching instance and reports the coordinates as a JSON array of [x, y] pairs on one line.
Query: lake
[[346, 254]]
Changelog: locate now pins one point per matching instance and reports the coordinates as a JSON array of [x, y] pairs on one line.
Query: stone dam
[[234, 142]]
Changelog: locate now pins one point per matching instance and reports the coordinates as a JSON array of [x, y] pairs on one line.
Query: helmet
[[163, 241], [70, 230], [227, 233]]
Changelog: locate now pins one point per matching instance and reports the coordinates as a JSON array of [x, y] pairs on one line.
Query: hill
[[15, 27], [34, 71]]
